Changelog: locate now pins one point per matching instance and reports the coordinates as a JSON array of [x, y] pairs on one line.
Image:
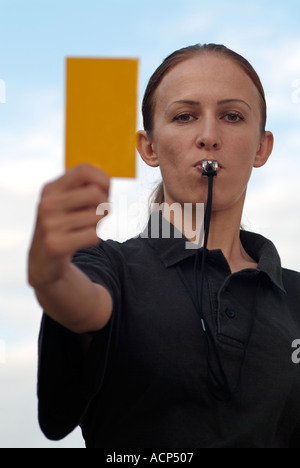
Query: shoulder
[[291, 282], [291, 278], [111, 251], [134, 247]]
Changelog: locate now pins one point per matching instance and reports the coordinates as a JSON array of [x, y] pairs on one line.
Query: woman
[[130, 350]]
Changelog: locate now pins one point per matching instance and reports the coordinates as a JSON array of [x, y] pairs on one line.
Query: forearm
[[75, 301]]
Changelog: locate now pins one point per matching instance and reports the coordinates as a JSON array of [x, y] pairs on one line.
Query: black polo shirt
[[160, 376]]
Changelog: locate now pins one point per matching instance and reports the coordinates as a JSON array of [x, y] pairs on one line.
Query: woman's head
[[186, 53], [205, 102]]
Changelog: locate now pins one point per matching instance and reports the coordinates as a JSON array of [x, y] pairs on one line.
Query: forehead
[[206, 77]]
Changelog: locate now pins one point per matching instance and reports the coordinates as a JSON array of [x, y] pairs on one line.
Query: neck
[[224, 233]]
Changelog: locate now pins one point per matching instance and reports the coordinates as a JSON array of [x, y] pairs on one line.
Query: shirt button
[[230, 313]]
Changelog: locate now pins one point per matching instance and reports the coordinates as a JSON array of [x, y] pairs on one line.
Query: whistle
[[209, 168]]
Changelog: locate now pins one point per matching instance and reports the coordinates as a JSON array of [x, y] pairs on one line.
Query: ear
[[264, 150], [146, 149]]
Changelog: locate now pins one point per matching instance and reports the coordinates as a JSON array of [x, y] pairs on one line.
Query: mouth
[[199, 165]]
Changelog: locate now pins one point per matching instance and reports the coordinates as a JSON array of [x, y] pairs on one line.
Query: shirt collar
[[264, 252], [172, 247], [169, 243]]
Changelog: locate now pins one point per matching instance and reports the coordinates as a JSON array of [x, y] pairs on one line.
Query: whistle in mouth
[[209, 168]]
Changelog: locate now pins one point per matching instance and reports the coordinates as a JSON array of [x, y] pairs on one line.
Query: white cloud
[[193, 24], [272, 207], [18, 403], [10, 237], [27, 175]]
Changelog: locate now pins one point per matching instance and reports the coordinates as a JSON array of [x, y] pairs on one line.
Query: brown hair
[[180, 56]]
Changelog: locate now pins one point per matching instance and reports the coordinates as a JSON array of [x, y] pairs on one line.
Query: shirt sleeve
[[68, 376]]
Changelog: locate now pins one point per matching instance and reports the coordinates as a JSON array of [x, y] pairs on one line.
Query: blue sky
[[35, 38]]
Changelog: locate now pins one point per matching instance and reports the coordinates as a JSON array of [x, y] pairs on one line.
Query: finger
[[78, 199], [60, 244], [78, 176], [82, 219]]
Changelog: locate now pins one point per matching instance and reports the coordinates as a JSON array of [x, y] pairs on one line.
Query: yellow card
[[101, 113]]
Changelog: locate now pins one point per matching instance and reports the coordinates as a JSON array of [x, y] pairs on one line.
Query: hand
[[66, 221]]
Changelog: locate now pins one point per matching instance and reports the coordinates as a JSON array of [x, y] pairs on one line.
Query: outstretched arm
[[66, 222]]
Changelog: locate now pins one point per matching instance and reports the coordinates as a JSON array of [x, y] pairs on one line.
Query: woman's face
[[207, 108]]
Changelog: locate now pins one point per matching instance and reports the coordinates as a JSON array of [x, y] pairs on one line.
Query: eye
[[233, 117], [184, 118]]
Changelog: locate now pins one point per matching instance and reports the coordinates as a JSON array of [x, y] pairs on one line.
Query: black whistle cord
[[200, 293], [198, 301], [219, 386], [207, 216]]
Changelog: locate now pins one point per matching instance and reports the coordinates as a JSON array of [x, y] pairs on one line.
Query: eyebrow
[[227, 101], [197, 103], [184, 101]]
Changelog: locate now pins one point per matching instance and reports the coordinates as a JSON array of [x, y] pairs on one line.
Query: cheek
[[170, 153], [245, 154], [238, 167]]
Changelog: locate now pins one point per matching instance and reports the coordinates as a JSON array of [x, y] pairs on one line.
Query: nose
[[208, 137]]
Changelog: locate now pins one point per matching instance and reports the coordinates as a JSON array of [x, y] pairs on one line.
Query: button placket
[[230, 313]]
